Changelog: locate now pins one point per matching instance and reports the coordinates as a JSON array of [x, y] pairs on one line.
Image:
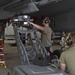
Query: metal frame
[[25, 53]]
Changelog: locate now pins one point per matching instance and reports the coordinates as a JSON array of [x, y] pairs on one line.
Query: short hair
[[73, 34]]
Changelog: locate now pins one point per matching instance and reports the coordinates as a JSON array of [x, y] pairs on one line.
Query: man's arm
[[37, 26], [62, 61], [62, 67]]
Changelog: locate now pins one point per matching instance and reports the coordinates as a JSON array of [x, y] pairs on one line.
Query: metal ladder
[[2, 55], [23, 50]]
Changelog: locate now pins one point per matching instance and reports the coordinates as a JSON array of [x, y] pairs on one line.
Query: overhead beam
[[30, 8], [44, 2]]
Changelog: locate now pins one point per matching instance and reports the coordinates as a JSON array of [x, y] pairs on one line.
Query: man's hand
[[31, 23], [36, 26]]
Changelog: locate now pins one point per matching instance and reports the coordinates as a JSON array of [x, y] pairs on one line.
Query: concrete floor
[[12, 58], [4, 71]]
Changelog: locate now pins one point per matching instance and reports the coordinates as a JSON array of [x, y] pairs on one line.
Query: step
[[1, 54], [1, 48]]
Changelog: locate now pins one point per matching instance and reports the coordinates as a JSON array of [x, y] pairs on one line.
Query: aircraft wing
[[35, 7]]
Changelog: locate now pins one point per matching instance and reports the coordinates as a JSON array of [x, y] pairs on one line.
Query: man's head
[[46, 21], [73, 37]]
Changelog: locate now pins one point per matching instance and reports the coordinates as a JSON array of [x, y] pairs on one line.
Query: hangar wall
[[65, 22]]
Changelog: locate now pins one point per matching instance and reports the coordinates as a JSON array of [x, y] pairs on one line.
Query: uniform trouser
[[49, 56]]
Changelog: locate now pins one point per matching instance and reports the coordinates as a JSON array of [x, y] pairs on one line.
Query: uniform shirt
[[46, 36], [68, 58]]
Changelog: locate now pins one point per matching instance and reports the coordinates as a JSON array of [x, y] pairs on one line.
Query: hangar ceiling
[[3, 2]]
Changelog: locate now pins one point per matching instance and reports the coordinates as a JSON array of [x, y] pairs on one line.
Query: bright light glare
[[25, 16], [25, 22], [15, 19]]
